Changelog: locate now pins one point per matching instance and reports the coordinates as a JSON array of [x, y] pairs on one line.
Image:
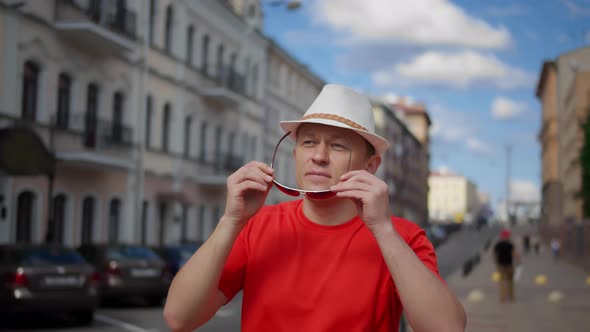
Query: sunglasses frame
[[295, 192]]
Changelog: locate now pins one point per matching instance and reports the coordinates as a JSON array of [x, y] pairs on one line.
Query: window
[[162, 211], [87, 219], [203, 148], [254, 91], [144, 222], [153, 6], [205, 55], [30, 90], [190, 34], [63, 101], [114, 217], [187, 136], [220, 63], [184, 223], [218, 132], [117, 129], [59, 217], [91, 118], [168, 33], [148, 121], [166, 128], [24, 216], [201, 223]]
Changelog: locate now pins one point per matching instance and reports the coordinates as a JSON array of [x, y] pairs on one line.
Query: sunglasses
[[315, 194]]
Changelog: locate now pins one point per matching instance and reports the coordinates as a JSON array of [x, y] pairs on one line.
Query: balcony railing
[[231, 79], [227, 164], [103, 13], [96, 132]]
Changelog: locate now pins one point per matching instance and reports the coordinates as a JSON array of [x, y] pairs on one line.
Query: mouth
[[318, 174]]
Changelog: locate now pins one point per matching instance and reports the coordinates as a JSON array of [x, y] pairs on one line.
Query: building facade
[[405, 166], [451, 198], [564, 92], [147, 105]]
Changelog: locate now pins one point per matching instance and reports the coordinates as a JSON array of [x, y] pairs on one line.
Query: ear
[[373, 164]]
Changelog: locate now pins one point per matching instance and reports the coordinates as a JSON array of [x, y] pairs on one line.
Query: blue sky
[[474, 64]]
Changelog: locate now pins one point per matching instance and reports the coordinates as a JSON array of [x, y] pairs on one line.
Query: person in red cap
[[506, 258]]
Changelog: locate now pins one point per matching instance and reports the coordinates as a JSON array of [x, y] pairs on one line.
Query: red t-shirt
[[301, 276]]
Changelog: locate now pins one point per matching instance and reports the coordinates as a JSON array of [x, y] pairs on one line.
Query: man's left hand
[[370, 194]]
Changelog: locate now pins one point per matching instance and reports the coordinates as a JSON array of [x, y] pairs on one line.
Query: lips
[[318, 173]]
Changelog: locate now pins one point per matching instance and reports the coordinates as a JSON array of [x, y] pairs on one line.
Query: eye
[[339, 147], [308, 143]]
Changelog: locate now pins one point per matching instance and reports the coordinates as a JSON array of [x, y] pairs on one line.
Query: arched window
[[190, 35], [59, 217], [114, 218], [205, 55], [117, 129], [166, 128], [25, 206], [30, 91], [148, 120], [64, 92], [168, 33], [88, 207]]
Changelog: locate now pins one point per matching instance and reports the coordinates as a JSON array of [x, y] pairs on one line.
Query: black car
[[44, 278], [177, 255], [128, 270]]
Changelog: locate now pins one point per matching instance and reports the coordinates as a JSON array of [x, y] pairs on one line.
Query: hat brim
[[379, 143]]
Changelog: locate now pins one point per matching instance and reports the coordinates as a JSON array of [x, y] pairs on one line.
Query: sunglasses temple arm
[[276, 148]]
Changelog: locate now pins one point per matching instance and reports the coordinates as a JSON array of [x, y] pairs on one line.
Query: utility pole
[[508, 148]]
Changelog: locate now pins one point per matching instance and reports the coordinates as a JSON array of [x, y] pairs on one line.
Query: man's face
[[322, 155]]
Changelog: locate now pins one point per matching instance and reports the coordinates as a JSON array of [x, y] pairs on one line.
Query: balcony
[[86, 140], [229, 89], [101, 27], [220, 170]]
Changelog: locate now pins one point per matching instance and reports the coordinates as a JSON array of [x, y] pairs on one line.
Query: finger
[[250, 171], [251, 185], [352, 185], [256, 176], [262, 166]]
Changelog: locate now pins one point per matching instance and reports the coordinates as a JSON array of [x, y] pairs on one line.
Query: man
[[506, 258], [333, 261]]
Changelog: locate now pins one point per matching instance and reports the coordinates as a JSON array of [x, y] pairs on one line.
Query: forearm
[[191, 299], [428, 303]]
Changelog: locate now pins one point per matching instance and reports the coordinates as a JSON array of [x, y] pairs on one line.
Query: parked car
[[177, 255], [128, 270], [44, 278]]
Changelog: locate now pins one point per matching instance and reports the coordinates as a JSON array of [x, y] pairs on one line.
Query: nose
[[321, 154]]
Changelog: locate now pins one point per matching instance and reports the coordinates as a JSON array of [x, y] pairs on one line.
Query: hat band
[[335, 118]]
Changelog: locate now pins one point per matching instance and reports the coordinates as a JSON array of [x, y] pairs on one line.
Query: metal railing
[[96, 132], [103, 13]]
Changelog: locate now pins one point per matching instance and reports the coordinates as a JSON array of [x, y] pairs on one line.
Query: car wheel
[[84, 317]]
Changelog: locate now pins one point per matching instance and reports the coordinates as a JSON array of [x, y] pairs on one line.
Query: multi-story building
[[405, 165], [451, 198], [563, 92], [147, 105], [290, 90]]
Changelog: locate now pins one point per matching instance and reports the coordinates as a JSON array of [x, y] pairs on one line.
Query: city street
[[135, 316]]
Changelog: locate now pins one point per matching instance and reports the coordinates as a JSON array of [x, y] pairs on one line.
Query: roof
[[407, 108], [547, 65]]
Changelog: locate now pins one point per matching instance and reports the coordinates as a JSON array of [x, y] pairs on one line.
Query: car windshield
[[39, 256], [131, 252]]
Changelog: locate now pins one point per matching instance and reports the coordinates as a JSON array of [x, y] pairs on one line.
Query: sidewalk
[[561, 303]]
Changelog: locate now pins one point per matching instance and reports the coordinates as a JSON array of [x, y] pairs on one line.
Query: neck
[[329, 212]]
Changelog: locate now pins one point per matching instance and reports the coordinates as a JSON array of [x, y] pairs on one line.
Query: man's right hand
[[247, 189]]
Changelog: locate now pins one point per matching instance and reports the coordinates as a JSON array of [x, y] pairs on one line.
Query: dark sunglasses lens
[[286, 190], [321, 194]]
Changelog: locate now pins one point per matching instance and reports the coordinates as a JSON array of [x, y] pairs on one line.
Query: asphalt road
[[136, 316]]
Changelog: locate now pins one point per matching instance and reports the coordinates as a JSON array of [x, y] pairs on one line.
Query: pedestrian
[[334, 260], [526, 243], [555, 248], [506, 258]]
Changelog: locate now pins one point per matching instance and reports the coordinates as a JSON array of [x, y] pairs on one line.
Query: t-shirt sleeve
[[234, 271], [424, 249]]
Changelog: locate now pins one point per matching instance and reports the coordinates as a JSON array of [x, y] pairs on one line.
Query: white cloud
[[512, 10], [458, 70], [455, 127], [477, 146], [504, 108], [575, 9], [524, 191], [419, 22]]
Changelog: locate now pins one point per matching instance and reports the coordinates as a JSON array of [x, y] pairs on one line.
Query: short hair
[[370, 149]]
